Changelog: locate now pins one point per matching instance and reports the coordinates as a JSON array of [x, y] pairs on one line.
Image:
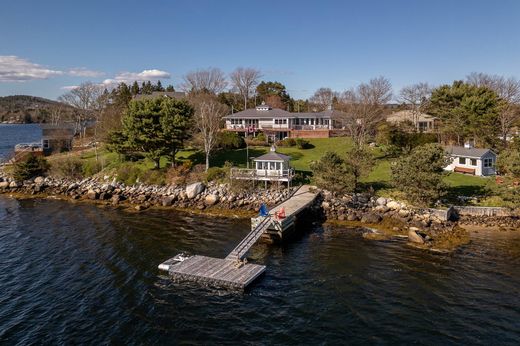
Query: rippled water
[[12, 134], [72, 273]]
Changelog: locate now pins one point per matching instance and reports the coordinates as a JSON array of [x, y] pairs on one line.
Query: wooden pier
[[232, 271]]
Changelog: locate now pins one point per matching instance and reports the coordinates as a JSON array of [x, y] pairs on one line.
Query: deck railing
[[263, 174]]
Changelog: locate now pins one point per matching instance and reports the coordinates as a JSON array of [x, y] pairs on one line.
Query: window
[[462, 160], [473, 162], [46, 144], [488, 163], [278, 166]]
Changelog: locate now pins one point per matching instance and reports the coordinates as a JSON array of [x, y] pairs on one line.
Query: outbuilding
[[272, 166], [475, 161]]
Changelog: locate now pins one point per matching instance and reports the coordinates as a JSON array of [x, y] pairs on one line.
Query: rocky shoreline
[[381, 217]]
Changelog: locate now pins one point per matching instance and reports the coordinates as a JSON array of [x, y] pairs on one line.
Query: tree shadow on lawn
[[454, 192], [237, 157]]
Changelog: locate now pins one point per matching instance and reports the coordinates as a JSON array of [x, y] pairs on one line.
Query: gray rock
[[403, 213], [352, 217], [4, 184], [14, 184], [393, 205], [194, 190], [381, 201], [168, 201], [91, 194], [39, 180]]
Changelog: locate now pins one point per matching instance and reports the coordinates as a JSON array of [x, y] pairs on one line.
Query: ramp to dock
[[231, 272]]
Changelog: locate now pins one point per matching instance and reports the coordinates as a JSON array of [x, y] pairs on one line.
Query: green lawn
[[379, 179]]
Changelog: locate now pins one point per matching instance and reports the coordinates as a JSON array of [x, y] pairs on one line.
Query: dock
[[233, 271]]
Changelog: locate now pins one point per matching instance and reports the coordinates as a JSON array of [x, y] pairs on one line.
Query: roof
[[255, 113], [467, 152], [156, 94], [272, 156], [407, 115]]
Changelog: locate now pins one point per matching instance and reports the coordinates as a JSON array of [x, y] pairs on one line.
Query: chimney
[[468, 144]]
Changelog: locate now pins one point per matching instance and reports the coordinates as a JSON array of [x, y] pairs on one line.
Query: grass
[[379, 179]]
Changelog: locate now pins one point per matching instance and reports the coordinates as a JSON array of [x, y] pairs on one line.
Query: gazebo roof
[[272, 156]]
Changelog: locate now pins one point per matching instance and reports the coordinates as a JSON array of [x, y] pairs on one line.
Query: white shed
[[272, 166], [480, 162]]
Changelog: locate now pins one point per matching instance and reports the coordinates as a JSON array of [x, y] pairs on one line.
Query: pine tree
[[170, 88], [159, 86], [135, 88]]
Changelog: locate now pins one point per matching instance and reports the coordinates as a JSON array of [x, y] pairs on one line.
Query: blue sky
[[48, 45]]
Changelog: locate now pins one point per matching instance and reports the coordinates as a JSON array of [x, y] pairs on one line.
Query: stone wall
[[482, 211]]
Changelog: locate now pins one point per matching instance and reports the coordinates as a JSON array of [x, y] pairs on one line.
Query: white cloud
[[69, 87], [84, 72], [16, 69], [146, 75]]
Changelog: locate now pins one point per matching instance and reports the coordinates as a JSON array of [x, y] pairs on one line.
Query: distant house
[[57, 138], [480, 162], [278, 124], [272, 166], [156, 94], [425, 122]]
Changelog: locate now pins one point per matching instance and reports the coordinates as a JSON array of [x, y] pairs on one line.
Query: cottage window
[[46, 144], [488, 163], [473, 162], [462, 160], [278, 166], [271, 168]]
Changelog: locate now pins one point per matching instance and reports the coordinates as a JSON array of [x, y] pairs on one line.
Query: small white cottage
[[480, 162], [269, 167]]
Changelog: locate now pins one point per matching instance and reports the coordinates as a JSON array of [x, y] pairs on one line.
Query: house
[[57, 138], [480, 162], [156, 94], [278, 124], [272, 166], [424, 122]]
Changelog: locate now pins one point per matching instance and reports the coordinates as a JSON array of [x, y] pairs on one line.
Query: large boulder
[[393, 205], [4, 184], [168, 200], [91, 194], [371, 218], [414, 237], [211, 199], [193, 190], [14, 184], [39, 180], [381, 201]]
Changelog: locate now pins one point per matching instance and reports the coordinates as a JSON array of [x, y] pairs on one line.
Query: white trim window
[[487, 162], [45, 144], [462, 160]]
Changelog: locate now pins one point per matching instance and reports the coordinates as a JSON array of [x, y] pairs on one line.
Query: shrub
[[91, 167], [179, 174], [68, 167], [215, 173], [154, 177], [331, 173], [302, 143], [128, 173], [230, 140], [288, 142], [419, 174], [30, 167], [261, 137]]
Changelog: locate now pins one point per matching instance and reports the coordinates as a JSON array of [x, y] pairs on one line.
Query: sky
[[47, 47]]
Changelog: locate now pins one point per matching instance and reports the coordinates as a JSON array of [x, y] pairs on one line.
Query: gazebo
[[272, 166]]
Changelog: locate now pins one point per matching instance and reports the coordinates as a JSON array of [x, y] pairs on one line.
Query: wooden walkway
[[215, 271], [231, 272]]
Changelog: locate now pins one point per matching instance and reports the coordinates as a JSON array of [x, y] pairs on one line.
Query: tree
[[170, 88], [135, 88], [419, 174], [509, 92], [159, 86], [330, 173], [30, 167], [359, 162], [211, 80], [208, 119], [508, 162], [274, 94], [323, 99], [363, 108], [467, 112], [156, 127], [85, 97], [415, 96], [245, 80]]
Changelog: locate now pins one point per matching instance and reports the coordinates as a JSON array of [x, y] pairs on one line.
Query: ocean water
[[12, 134], [73, 273]]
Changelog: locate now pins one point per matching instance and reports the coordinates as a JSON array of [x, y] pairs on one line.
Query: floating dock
[[232, 272]]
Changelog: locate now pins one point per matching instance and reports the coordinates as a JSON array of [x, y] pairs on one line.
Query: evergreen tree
[[135, 88], [159, 86], [331, 173], [170, 88]]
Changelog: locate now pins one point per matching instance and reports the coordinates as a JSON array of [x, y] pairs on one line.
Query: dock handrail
[[241, 249]]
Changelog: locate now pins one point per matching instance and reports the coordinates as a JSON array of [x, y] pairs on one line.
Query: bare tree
[[211, 80], [509, 92], [363, 107], [245, 81], [415, 96], [323, 98], [208, 119], [86, 97]]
